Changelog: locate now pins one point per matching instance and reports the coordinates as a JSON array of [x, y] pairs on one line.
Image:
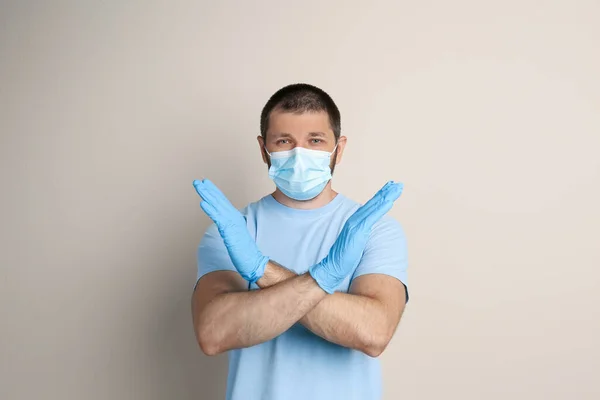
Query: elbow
[[373, 350], [208, 348], [208, 343], [376, 346]]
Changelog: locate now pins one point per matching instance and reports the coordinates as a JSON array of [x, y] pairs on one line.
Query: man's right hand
[[242, 249], [346, 252]]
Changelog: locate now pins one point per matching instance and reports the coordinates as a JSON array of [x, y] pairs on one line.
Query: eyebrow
[[281, 134], [288, 135]]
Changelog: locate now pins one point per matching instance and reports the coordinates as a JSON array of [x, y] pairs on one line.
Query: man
[[305, 287]]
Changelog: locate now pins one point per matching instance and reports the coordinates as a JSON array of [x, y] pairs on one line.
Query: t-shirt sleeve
[[386, 252], [212, 254]]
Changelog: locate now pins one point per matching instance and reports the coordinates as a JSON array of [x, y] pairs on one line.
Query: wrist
[[274, 274], [259, 271], [320, 273]]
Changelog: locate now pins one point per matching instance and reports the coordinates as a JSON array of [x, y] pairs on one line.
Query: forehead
[[298, 124]]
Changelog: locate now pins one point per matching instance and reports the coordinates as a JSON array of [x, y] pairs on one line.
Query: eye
[[316, 141], [283, 141]]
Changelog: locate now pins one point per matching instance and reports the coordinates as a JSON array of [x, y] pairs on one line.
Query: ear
[[261, 144], [340, 149]]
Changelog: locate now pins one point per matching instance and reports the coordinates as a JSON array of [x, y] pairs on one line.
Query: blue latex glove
[[346, 252], [242, 249]]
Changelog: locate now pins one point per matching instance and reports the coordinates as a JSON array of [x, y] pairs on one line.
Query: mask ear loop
[[334, 149], [269, 154]]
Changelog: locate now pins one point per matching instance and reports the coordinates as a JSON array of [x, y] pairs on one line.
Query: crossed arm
[[227, 316]]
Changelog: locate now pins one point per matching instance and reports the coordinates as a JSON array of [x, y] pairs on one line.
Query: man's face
[[309, 130]]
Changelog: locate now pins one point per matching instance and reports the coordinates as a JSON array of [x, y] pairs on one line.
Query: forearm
[[353, 321], [350, 320], [243, 319]]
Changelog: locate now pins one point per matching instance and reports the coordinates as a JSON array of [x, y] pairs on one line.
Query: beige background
[[489, 112]]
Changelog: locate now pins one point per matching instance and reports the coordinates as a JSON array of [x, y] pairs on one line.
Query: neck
[[321, 200]]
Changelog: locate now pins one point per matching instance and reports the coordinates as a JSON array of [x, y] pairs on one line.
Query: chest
[[297, 245]]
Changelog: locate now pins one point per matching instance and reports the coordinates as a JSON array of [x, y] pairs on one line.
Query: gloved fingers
[[197, 186], [207, 192], [216, 192], [210, 210], [387, 185], [202, 192], [394, 191], [376, 213], [367, 208]]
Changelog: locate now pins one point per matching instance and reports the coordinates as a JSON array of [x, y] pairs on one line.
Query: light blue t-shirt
[[299, 365]]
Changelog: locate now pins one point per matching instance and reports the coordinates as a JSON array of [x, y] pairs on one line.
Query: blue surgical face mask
[[300, 173]]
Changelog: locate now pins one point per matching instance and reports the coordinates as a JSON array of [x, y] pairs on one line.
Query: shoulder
[[254, 207], [347, 206], [388, 225]]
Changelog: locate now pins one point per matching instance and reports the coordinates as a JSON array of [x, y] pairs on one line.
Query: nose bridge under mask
[[300, 173]]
